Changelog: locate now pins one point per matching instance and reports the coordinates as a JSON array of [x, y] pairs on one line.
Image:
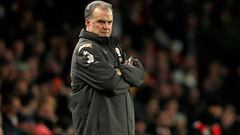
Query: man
[[101, 76]]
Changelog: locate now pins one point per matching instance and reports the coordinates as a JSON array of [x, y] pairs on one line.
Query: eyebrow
[[104, 21]]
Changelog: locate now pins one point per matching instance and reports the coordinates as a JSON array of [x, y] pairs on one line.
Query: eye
[[109, 22], [104, 22], [101, 21]]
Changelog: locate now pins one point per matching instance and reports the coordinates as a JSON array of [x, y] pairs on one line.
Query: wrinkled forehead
[[104, 13]]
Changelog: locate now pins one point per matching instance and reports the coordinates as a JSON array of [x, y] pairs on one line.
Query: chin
[[104, 35]]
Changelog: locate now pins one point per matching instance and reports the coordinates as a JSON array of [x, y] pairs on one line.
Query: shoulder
[[87, 45], [84, 46]]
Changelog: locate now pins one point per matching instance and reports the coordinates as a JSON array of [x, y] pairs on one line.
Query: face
[[100, 23]]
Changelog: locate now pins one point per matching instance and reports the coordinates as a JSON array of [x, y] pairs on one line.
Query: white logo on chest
[[119, 54]]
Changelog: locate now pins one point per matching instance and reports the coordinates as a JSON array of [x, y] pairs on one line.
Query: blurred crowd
[[189, 49]]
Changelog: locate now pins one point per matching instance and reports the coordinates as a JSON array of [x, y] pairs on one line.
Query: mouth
[[105, 32]]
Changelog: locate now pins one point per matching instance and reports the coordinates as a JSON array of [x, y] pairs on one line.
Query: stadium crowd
[[189, 49]]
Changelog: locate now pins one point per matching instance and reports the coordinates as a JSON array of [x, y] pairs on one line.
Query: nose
[[106, 25]]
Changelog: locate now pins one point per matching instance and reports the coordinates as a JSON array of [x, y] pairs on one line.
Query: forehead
[[100, 13]]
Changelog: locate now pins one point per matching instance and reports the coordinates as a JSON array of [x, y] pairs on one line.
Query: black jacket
[[100, 102]]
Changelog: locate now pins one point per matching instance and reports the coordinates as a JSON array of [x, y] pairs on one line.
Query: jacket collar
[[96, 38]]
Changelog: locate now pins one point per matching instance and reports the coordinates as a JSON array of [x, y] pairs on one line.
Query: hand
[[131, 74], [137, 63], [129, 61], [134, 62]]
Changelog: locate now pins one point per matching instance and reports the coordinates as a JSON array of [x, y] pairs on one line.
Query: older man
[[101, 77]]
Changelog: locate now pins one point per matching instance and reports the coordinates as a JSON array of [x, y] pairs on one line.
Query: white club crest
[[118, 52]]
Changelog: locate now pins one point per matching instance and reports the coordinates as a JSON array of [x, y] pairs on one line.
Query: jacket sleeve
[[92, 68], [133, 73]]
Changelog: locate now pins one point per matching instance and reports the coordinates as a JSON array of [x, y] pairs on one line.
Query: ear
[[87, 22]]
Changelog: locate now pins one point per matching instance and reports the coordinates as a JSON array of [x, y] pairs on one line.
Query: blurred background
[[189, 48]]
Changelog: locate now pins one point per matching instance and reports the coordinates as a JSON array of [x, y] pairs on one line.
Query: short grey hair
[[96, 4]]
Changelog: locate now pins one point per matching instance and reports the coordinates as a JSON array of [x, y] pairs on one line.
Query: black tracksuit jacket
[[100, 102]]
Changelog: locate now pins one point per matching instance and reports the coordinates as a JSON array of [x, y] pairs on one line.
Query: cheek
[[96, 27]]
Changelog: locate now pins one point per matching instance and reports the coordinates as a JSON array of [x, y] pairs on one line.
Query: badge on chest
[[117, 50]]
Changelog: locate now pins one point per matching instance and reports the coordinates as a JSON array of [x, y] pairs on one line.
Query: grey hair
[[96, 4]]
